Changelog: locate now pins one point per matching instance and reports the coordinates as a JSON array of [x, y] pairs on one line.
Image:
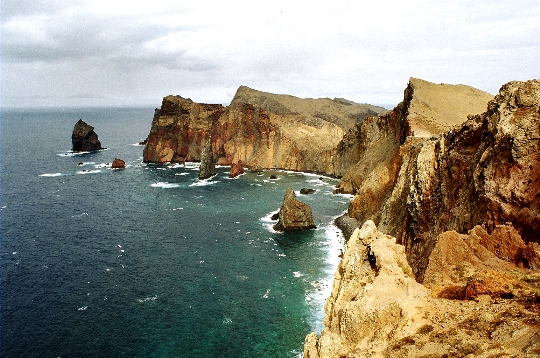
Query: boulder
[[84, 138], [118, 164], [306, 191], [294, 214], [236, 169], [208, 165]]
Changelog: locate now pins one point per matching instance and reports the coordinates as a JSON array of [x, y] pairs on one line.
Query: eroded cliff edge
[[465, 205], [262, 130]]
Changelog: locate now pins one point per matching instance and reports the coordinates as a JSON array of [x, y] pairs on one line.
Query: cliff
[[465, 205], [376, 309], [263, 130], [486, 172]]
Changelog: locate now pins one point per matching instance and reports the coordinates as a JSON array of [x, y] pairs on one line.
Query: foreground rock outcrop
[[377, 309], [84, 138], [294, 214], [263, 130]]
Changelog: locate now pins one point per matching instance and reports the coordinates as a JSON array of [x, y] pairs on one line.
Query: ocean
[[149, 261]]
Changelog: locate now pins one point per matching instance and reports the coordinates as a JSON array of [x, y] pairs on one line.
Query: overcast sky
[[131, 53]]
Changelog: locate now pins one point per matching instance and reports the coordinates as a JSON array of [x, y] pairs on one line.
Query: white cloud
[[120, 52]]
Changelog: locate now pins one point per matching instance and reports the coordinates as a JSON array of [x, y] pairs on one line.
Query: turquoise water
[[149, 261]]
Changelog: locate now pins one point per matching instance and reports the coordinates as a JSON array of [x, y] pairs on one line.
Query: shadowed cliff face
[[262, 130]]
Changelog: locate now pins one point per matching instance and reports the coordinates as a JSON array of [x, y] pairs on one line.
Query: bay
[[149, 261]]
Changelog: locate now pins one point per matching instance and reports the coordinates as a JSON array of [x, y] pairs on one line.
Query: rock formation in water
[[84, 138], [236, 169], [208, 164], [263, 130], [118, 164], [294, 214]]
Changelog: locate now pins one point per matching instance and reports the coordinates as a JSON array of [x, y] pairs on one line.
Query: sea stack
[[236, 169], [294, 214], [84, 138], [208, 165]]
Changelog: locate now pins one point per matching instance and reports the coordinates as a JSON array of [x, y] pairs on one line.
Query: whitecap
[[103, 165], [147, 299], [72, 154], [267, 293], [297, 274], [227, 320], [88, 171], [165, 185], [80, 215], [177, 209], [50, 175], [83, 308], [183, 173], [204, 182]]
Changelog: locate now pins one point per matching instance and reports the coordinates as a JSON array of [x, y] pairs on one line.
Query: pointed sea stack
[[208, 165], [84, 138]]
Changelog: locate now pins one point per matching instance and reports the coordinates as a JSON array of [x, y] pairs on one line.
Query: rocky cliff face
[[466, 207], [376, 309], [486, 172], [263, 130]]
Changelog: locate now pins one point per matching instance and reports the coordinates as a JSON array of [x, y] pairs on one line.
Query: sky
[[63, 53]]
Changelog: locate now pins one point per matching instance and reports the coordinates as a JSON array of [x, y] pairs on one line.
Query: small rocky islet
[[443, 250]]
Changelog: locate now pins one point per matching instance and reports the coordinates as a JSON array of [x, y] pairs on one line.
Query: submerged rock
[[84, 138], [294, 214], [307, 191]]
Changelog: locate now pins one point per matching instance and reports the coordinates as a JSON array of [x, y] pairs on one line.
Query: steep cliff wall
[[263, 130], [485, 172]]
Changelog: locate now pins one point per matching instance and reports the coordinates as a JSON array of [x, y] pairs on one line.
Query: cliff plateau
[[262, 130]]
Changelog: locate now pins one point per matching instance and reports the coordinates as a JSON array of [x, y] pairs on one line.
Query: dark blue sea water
[[148, 261]]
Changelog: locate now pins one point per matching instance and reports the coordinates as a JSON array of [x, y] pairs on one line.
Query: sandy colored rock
[[436, 108], [294, 214], [377, 310], [485, 172]]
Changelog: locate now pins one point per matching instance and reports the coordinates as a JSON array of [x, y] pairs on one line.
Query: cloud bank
[[120, 53]]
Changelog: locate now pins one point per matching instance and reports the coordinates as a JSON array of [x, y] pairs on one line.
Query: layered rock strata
[[263, 130], [294, 214], [84, 138]]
